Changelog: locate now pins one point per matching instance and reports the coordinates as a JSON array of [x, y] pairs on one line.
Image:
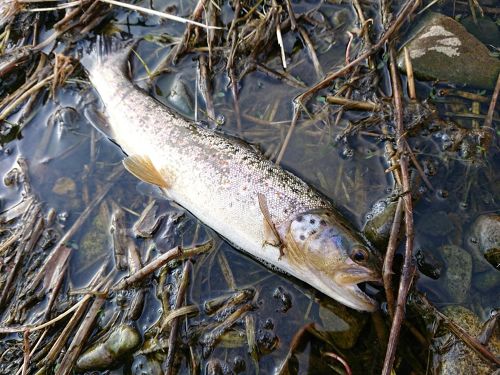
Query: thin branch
[[174, 324], [160, 14], [389, 257], [491, 110], [408, 269]]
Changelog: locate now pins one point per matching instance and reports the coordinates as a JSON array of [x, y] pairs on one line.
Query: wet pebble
[[379, 220], [146, 365], [64, 186], [239, 364], [428, 264], [484, 242], [179, 96], [217, 367], [109, 352], [267, 341], [284, 297], [457, 277]]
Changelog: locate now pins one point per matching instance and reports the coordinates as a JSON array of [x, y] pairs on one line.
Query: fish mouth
[[354, 286], [364, 292]]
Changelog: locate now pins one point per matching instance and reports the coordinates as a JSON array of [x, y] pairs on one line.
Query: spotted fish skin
[[220, 179]]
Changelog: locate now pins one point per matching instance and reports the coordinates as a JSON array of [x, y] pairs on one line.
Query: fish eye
[[359, 255]]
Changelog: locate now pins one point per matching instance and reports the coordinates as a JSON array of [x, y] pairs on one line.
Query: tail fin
[[107, 50]]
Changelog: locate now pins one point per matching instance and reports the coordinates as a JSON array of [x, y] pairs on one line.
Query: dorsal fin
[[142, 168]]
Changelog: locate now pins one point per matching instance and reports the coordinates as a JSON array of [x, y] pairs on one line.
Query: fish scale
[[219, 180]]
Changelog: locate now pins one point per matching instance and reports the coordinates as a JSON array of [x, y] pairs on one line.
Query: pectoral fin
[[142, 168], [271, 235]]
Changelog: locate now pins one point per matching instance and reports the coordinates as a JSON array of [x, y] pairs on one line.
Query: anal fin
[[142, 168]]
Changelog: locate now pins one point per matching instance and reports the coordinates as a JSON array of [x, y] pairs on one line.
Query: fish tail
[[107, 50]]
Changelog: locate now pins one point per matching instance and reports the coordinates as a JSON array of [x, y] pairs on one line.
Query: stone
[[487, 281], [109, 352], [454, 357], [484, 242], [64, 186], [442, 49], [342, 325], [378, 223], [457, 277]]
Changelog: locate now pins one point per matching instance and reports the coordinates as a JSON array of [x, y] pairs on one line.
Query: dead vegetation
[[58, 322]]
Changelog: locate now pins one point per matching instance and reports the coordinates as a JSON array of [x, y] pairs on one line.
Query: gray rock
[[484, 242], [458, 274], [342, 325], [442, 49], [487, 281], [180, 97]]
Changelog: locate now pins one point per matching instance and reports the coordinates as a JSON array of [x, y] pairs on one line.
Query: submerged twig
[[408, 269], [389, 257], [338, 358], [174, 324], [412, 92], [491, 109]]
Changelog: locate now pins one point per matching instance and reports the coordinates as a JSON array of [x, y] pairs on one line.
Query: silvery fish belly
[[257, 206]]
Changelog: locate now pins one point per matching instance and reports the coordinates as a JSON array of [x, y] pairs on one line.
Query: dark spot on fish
[[299, 218], [322, 222], [302, 237], [313, 232], [312, 221]]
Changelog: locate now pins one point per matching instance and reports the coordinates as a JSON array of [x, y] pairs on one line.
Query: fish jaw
[[332, 257], [343, 285]]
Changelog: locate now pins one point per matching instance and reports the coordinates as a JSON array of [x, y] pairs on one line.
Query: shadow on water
[[66, 197]]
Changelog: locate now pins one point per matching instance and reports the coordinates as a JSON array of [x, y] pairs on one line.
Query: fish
[[254, 204]]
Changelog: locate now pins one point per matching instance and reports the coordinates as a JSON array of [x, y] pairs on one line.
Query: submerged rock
[[457, 277], [342, 325], [484, 241], [487, 281], [428, 264], [442, 49], [452, 356], [64, 186], [109, 352], [180, 97], [436, 224]]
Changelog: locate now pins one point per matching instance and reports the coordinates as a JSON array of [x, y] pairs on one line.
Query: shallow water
[[58, 142]]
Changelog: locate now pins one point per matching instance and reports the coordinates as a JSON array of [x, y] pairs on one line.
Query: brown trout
[[257, 206]]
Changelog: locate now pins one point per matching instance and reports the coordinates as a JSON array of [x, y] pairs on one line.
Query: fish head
[[334, 258]]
